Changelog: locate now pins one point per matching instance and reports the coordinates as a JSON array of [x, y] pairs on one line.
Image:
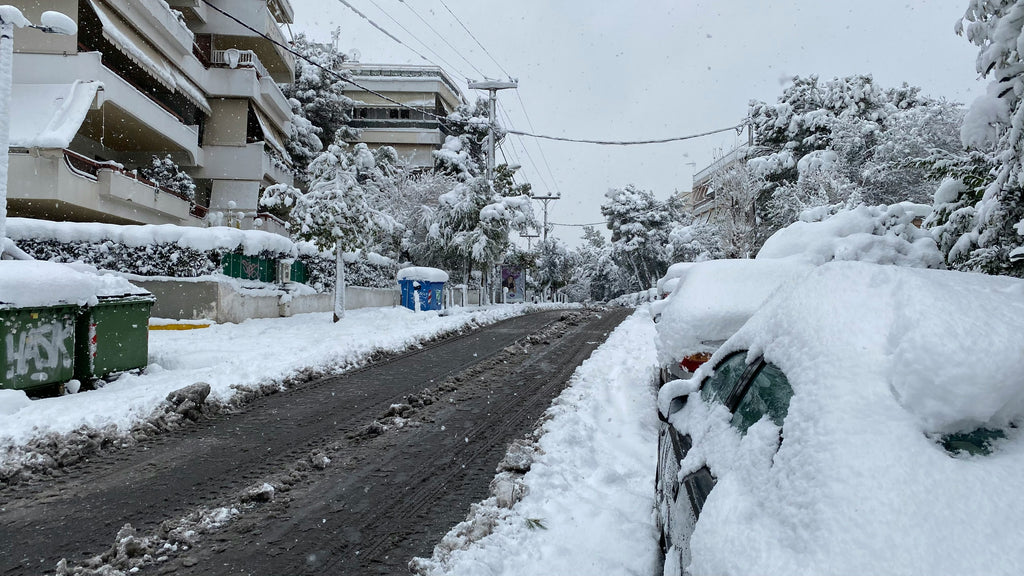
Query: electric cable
[[414, 37], [540, 148], [443, 39], [344, 78], [628, 142], [503, 71]]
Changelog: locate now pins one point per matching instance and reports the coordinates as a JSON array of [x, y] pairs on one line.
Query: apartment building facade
[[415, 134], [701, 202], [145, 79]]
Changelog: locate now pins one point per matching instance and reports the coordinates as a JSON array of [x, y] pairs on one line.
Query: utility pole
[[529, 239], [492, 86], [546, 200]]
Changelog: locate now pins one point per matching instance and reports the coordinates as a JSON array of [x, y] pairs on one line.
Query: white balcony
[[61, 185], [128, 122]]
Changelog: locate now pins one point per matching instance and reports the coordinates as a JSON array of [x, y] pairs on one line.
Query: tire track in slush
[[396, 495], [211, 462]]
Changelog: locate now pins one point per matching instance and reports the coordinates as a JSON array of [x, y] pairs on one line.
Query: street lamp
[[11, 18]]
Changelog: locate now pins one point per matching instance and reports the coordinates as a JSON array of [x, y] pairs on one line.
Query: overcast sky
[[652, 69]]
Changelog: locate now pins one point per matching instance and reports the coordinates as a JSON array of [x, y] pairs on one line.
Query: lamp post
[[11, 18]]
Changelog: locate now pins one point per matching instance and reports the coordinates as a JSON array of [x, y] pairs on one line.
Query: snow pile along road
[[586, 500], [234, 360]]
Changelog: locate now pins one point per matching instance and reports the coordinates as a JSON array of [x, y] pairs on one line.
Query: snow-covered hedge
[[366, 270], [185, 252]]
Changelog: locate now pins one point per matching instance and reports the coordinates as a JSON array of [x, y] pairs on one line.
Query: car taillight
[[693, 361]]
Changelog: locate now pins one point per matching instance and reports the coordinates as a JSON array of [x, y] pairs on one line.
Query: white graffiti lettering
[[39, 351]]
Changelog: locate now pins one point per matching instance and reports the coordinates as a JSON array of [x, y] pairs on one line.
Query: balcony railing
[[89, 168], [233, 58]]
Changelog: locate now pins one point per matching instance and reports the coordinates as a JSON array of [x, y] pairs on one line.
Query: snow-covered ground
[[589, 493], [253, 354]]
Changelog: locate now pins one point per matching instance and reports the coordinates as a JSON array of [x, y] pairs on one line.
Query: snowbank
[[589, 492], [30, 283], [879, 234], [227, 356], [881, 359]]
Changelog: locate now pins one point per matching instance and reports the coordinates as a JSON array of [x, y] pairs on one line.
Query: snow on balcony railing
[[89, 168], [233, 58]]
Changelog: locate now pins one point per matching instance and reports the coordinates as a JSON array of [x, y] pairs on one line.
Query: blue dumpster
[[422, 288]]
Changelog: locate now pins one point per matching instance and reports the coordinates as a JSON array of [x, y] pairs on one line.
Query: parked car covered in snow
[[865, 420], [712, 300]]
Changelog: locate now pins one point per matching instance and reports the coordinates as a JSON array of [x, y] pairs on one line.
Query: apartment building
[[382, 122], [701, 202], [145, 78]]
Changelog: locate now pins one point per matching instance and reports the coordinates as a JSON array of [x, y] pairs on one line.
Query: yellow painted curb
[[179, 326]]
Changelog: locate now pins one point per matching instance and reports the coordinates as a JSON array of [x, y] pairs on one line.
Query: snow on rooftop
[[423, 273], [881, 359], [49, 115]]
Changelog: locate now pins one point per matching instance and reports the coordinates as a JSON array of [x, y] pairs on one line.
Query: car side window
[[768, 394], [727, 376]]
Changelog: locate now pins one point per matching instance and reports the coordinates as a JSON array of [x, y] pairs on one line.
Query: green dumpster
[[36, 345], [112, 336]]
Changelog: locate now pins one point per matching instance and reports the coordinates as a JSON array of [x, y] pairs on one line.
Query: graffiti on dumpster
[[38, 351]]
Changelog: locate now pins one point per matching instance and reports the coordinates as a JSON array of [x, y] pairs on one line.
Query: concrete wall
[[220, 302]]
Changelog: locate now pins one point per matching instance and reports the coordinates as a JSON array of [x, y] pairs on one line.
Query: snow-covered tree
[[639, 224], [334, 212], [165, 173], [845, 140], [463, 154], [553, 266], [979, 215], [321, 109], [471, 225], [735, 190]]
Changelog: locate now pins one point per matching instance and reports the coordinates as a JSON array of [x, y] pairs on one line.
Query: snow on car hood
[[715, 298], [881, 360]]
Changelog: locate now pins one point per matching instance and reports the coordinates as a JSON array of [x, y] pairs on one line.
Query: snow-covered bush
[[366, 271], [165, 173], [184, 252], [878, 234], [149, 260]]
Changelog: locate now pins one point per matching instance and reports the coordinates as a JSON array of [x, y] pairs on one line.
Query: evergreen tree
[[334, 212], [979, 211], [321, 110], [639, 224], [165, 173]]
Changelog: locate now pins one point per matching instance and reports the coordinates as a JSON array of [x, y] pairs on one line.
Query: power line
[[577, 225], [413, 36], [443, 39], [372, 23], [503, 71], [627, 142], [543, 157], [293, 52], [540, 175]]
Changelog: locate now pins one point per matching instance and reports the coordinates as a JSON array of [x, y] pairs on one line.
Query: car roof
[[716, 297]]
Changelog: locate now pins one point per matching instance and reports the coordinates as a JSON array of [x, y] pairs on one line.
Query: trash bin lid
[[34, 283], [423, 274]]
